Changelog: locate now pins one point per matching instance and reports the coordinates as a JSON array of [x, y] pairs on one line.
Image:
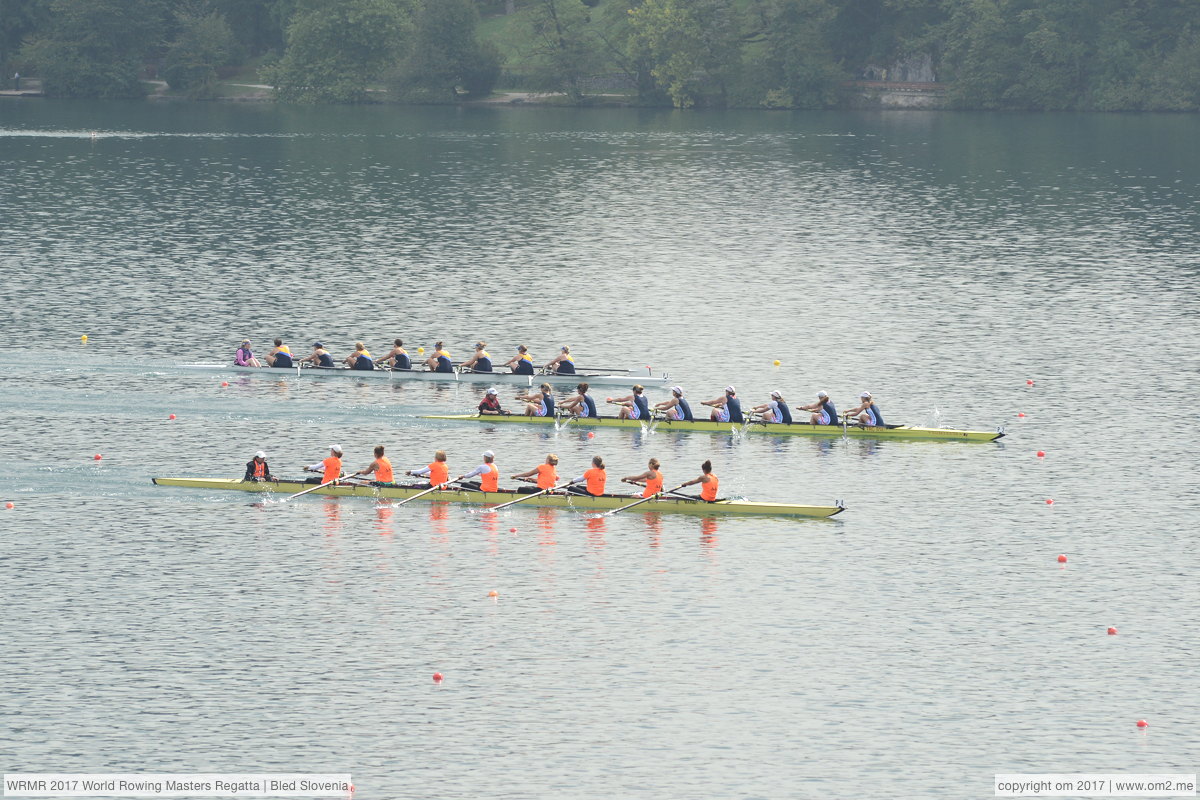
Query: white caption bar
[[1095, 785], [156, 784]]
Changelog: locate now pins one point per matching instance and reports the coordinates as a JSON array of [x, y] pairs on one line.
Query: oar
[[421, 494], [530, 496], [313, 489], [601, 370], [654, 496]]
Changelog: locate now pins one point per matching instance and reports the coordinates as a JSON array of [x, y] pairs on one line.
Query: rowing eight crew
[[544, 476], [726, 408], [398, 359]]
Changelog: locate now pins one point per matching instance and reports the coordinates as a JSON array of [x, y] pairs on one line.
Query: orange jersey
[[708, 491], [547, 476], [490, 480], [595, 478], [438, 473], [382, 469], [333, 469], [653, 485]]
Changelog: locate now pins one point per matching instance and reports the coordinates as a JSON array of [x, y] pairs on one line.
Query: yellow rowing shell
[[708, 426], [668, 505]]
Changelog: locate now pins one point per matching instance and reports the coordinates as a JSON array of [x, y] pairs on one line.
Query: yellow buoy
[[777, 362], [83, 338], [420, 349]]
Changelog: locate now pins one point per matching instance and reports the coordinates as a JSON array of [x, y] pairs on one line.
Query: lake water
[[914, 646]]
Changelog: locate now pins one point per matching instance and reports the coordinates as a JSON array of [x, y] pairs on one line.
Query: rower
[[633, 406], [330, 468], [522, 362], [244, 357], [652, 479], [582, 404], [708, 481], [540, 404], [868, 413], [280, 355], [488, 472], [546, 475], [438, 472], [397, 357], [561, 364], [381, 468], [593, 480], [490, 404], [480, 362], [676, 409], [440, 360], [360, 358], [320, 357], [823, 412], [775, 409], [726, 408], [257, 470]]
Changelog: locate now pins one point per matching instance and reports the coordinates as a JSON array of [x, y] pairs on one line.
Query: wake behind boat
[[458, 376]]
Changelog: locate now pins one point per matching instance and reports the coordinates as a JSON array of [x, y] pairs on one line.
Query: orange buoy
[[591, 435], [493, 593], [8, 505], [1062, 559]]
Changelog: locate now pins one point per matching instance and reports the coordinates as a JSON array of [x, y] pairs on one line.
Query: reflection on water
[[331, 507], [383, 519], [653, 522]]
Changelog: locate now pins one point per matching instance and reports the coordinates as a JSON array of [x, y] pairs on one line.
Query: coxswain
[[582, 404], [381, 468], [244, 357], [437, 472], [561, 364], [544, 476], [593, 479], [708, 483], [868, 413], [652, 479], [488, 472], [522, 362], [397, 357], [633, 406], [775, 409], [823, 411], [330, 468], [360, 358], [480, 362], [726, 408], [257, 470], [440, 360], [320, 357], [490, 404], [540, 404], [280, 355], [676, 409]]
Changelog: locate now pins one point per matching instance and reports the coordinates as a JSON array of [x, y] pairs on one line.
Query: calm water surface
[[912, 647]]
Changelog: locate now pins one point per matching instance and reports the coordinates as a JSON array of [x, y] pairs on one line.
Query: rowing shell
[[602, 503], [448, 377], [708, 426]]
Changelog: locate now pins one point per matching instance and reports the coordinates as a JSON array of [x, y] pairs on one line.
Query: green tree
[[18, 19], [445, 54], [691, 44], [336, 47], [560, 48], [798, 67], [204, 43]]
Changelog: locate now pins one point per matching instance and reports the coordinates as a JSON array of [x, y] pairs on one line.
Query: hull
[[441, 377], [605, 503], [707, 426]]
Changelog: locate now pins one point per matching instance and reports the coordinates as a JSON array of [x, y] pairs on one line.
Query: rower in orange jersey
[[488, 472], [652, 479], [381, 467], [709, 483], [593, 480], [438, 472], [546, 474], [330, 468]]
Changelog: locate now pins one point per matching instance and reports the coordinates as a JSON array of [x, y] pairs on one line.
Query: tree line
[[989, 54]]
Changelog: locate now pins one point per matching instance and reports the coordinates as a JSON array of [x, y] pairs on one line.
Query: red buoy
[[97, 457], [437, 677], [1029, 382], [1041, 453], [1062, 559], [1021, 414], [512, 530], [224, 384], [1049, 501], [8, 505], [1141, 723], [1112, 631], [171, 417], [591, 434]]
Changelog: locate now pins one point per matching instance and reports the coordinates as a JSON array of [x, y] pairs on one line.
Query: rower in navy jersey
[[676, 408], [868, 413], [540, 404], [320, 357], [726, 408], [440, 360], [280, 355], [582, 404], [360, 358], [480, 362], [775, 409], [397, 357], [521, 363], [823, 411], [632, 407], [561, 364]]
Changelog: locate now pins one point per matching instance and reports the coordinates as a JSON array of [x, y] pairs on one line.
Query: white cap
[[865, 395], [677, 390], [337, 448], [488, 454], [260, 454], [822, 393], [493, 390], [777, 395], [729, 390]]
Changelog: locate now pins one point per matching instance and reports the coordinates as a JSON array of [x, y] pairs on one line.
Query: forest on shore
[[1104, 55]]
